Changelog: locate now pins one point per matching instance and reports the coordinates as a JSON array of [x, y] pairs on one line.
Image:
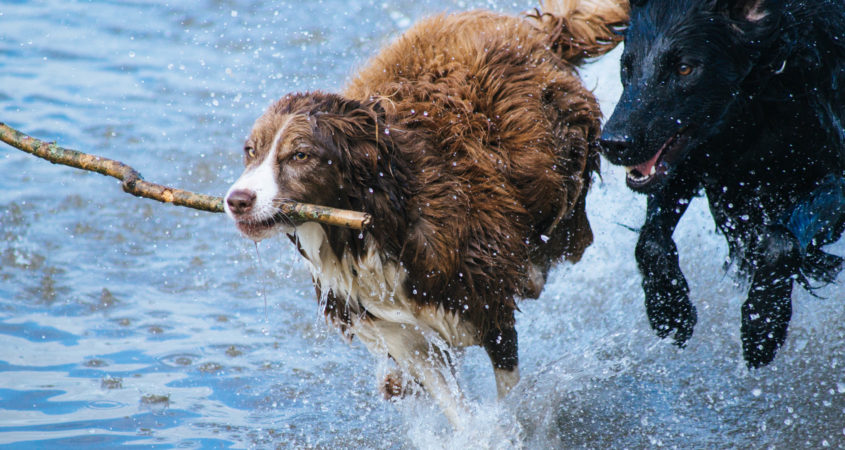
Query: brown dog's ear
[[376, 178]]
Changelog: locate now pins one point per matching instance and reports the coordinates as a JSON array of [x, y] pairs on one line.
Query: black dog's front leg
[[766, 312], [666, 293]]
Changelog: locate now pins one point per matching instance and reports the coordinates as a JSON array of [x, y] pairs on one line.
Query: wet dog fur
[[744, 100], [472, 142]]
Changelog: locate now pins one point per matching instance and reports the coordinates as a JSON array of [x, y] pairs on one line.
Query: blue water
[[126, 322]]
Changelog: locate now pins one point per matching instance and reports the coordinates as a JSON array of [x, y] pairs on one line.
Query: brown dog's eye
[[250, 152], [300, 156], [684, 69]]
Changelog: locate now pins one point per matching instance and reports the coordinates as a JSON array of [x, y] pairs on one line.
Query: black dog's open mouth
[[646, 173]]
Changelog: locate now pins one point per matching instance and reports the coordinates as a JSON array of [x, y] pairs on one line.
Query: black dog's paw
[[672, 312], [764, 328], [759, 351], [759, 346]]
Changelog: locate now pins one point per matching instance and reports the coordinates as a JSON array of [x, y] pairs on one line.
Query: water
[[126, 322]]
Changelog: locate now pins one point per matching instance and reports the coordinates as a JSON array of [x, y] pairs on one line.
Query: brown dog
[[471, 142]]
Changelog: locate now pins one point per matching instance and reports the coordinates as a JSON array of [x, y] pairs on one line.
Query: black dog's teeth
[[635, 175]]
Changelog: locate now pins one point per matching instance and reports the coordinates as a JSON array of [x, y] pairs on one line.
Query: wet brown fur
[[467, 140]]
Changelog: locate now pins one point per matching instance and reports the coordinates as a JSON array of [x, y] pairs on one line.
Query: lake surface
[[129, 323]]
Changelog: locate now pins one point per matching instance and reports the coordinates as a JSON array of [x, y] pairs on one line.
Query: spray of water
[[260, 265]]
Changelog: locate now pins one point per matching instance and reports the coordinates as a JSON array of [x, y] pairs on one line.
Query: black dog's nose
[[615, 144], [616, 147], [240, 201]]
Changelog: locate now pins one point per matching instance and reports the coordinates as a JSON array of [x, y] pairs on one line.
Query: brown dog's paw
[[393, 386]]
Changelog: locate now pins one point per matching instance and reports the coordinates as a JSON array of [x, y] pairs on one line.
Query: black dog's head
[[683, 68]]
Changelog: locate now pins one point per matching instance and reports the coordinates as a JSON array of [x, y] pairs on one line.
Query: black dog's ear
[[747, 10], [638, 2]]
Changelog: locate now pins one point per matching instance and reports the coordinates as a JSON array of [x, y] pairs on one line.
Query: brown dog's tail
[[580, 29]]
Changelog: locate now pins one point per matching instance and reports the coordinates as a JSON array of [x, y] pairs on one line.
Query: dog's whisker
[[284, 216]]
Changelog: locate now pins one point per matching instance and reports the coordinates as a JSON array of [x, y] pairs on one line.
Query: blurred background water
[[125, 322]]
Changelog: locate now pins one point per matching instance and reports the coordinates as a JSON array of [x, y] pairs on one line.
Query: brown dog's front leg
[[501, 346]]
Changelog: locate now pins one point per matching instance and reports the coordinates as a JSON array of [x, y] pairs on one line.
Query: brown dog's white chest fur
[[375, 286]]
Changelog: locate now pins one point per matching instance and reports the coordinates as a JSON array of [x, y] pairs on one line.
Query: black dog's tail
[[580, 29]]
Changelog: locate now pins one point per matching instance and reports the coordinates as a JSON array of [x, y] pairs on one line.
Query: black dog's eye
[[300, 156], [250, 152], [684, 69]]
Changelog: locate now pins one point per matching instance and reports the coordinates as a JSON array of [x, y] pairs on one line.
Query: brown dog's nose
[[240, 201]]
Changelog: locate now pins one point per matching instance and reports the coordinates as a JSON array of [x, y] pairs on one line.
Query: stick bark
[[133, 183]]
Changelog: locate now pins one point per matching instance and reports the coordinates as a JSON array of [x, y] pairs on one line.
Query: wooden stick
[[133, 183]]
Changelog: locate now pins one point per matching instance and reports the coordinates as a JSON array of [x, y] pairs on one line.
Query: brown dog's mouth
[[261, 229], [655, 168]]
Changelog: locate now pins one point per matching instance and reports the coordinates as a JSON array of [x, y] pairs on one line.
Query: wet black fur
[[761, 120]]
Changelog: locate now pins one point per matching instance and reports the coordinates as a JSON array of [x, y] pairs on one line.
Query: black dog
[[744, 99]]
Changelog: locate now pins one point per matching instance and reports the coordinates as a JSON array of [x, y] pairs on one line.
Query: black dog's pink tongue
[[645, 169]]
